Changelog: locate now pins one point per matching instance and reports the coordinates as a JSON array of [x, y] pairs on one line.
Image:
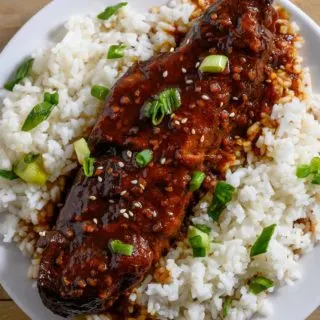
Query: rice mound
[[267, 190]]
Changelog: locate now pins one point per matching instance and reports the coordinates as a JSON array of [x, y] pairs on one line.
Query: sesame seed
[[235, 98], [121, 164], [123, 192], [129, 154], [100, 179], [163, 161], [111, 201], [137, 204], [172, 49], [134, 181], [42, 233], [193, 131], [184, 70], [131, 213], [154, 213], [170, 213], [123, 210], [172, 116], [100, 168], [205, 97], [177, 123], [221, 104], [126, 215], [188, 41], [93, 198], [142, 186], [198, 64], [184, 120], [189, 81], [202, 139], [95, 221], [165, 74], [232, 114]]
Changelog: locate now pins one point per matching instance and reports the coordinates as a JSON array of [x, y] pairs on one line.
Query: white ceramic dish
[[291, 302]]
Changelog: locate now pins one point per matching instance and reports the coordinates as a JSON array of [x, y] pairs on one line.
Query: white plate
[[291, 302]]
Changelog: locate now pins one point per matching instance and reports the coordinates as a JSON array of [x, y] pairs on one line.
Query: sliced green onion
[[88, 166], [110, 11], [259, 284], [30, 170], [144, 157], [226, 306], [21, 73], [197, 180], [199, 242], [315, 165], [262, 243], [303, 171], [223, 195], [214, 64], [119, 247], [82, 150], [8, 175], [224, 192], [316, 179], [116, 51], [31, 157], [100, 92], [52, 98], [203, 228], [167, 102]]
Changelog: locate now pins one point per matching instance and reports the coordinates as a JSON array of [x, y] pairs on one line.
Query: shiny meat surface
[[146, 207]]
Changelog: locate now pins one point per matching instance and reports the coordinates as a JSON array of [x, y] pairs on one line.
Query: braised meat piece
[[145, 207]]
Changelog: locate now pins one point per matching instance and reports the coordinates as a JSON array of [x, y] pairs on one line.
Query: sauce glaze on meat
[[146, 207]]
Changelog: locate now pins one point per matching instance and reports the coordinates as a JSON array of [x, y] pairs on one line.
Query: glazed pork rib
[[145, 207]]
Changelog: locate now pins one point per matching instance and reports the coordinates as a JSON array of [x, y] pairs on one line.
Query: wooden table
[[13, 14]]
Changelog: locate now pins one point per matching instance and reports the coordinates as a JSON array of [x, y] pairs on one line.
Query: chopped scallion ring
[[197, 180], [203, 228], [119, 247], [164, 104], [315, 165], [214, 64], [226, 306], [303, 171], [260, 284], [110, 11], [144, 157], [21, 73], [316, 179], [262, 243], [30, 170], [82, 150], [100, 92], [199, 242], [116, 51], [88, 166]]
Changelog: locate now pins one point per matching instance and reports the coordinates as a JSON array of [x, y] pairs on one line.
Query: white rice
[[267, 191]]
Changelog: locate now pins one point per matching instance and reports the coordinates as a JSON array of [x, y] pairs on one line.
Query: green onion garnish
[[82, 150], [21, 73], [144, 157], [226, 306], [8, 175], [41, 111], [315, 165], [164, 104], [110, 11], [100, 92], [119, 247], [197, 180], [116, 51], [203, 228], [30, 170], [199, 242], [223, 195], [316, 179], [262, 243], [214, 64], [88, 166], [303, 171], [259, 284]]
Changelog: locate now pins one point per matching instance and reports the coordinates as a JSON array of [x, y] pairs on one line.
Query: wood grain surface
[[13, 14]]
